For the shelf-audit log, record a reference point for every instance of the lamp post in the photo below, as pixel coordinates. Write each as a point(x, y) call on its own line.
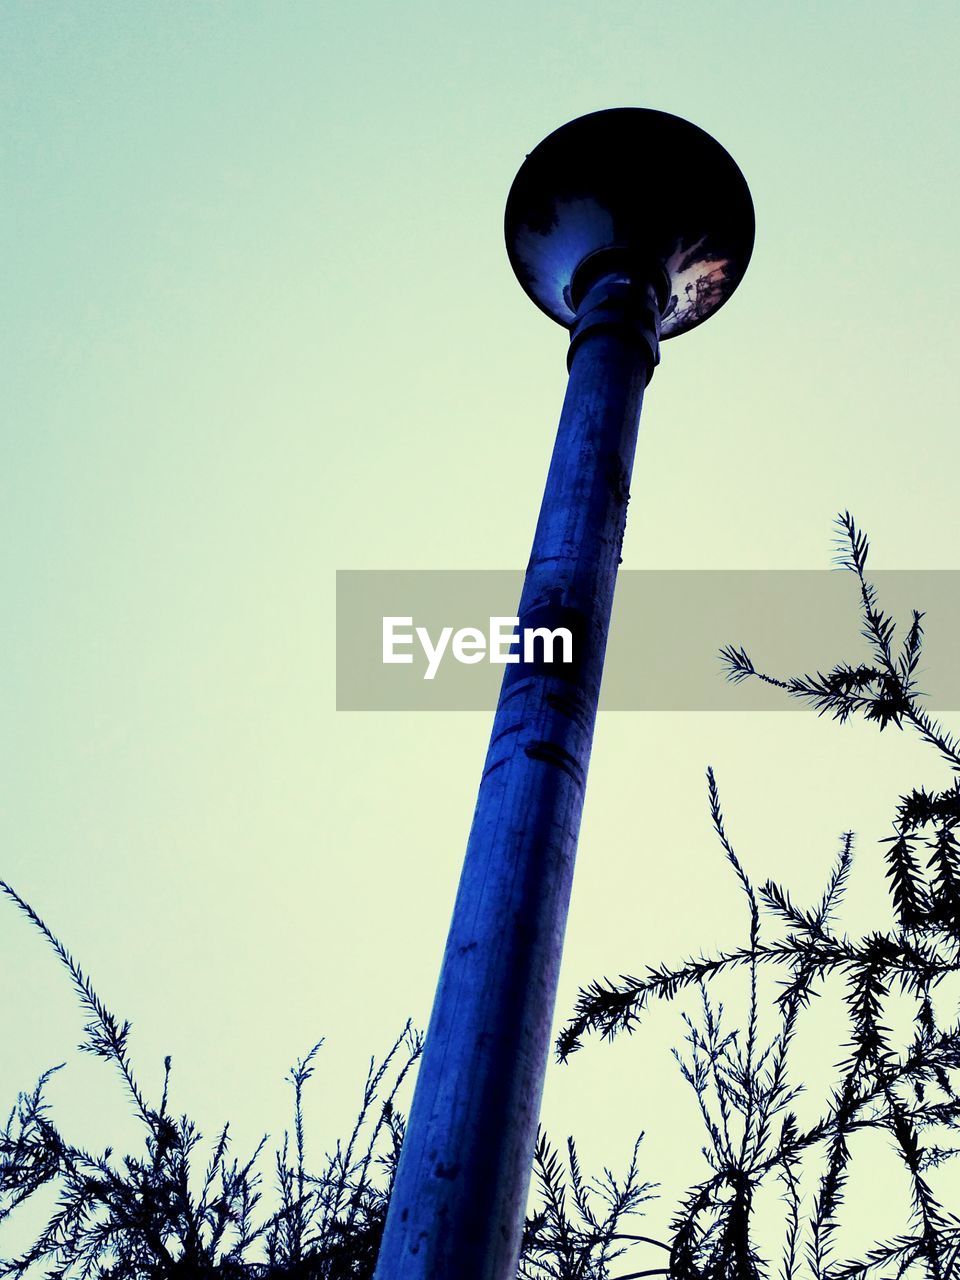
point(626, 226)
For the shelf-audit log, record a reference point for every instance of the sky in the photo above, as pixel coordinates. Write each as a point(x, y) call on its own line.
point(260, 326)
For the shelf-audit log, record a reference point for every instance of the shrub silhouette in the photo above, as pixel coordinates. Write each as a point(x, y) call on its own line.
point(166, 1212)
point(901, 1087)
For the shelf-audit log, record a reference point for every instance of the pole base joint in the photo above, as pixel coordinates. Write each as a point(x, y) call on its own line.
point(611, 292)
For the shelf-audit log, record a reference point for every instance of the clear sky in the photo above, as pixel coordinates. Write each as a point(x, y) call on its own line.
point(259, 325)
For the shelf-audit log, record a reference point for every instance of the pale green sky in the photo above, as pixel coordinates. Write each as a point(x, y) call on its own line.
point(260, 326)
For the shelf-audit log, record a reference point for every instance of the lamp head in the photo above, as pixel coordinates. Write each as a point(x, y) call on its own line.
point(640, 186)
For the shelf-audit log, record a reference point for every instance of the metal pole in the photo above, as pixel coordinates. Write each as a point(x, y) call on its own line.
point(457, 1208)
point(624, 225)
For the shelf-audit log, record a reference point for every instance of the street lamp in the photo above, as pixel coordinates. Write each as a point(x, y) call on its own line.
point(625, 226)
